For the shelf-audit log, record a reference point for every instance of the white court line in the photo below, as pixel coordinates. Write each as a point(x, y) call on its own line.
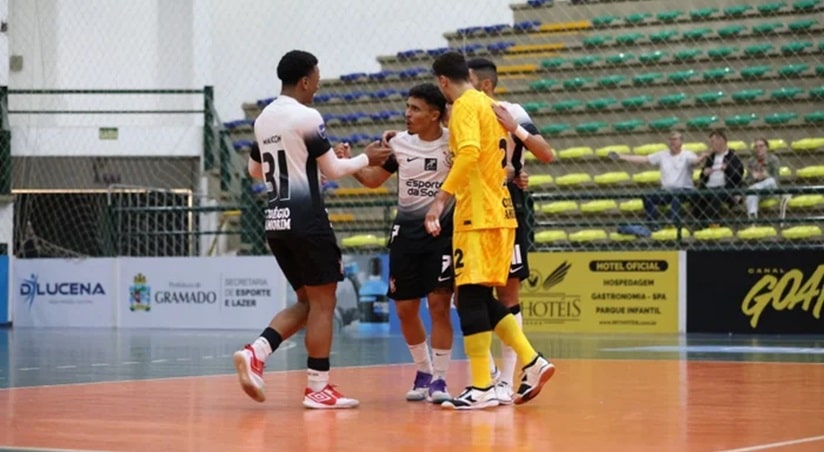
point(45, 449)
point(792, 442)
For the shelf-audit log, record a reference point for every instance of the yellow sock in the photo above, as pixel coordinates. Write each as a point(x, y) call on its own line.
point(512, 335)
point(477, 350)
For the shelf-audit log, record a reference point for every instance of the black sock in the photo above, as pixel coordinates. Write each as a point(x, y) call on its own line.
point(514, 310)
point(319, 364)
point(273, 337)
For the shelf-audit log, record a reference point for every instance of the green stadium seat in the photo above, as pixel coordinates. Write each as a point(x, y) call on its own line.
point(708, 98)
point(819, 70)
point(716, 74)
point(652, 57)
point(786, 93)
point(801, 232)
point(601, 103)
point(632, 205)
point(747, 95)
point(363, 241)
point(560, 208)
point(780, 118)
point(599, 206)
point(696, 146)
point(702, 122)
point(755, 72)
point(792, 70)
point(723, 52)
point(588, 235)
point(554, 129)
point(573, 179)
point(806, 201)
point(627, 126)
point(596, 41)
point(767, 28)
point(816, 117)
point(618, 237)
point(680, 77)
point(740, 120)
point(647, 177)
point(731, 31)
point(612, 80)
point(817, 93)
point(811, 172)
point(702, 13)
point(668, 16)
point(805, 5)
point(664, 123)
point(737, 10)
point(566, 105)
point(534, 107)
point(629, 39)
point(769, 9)
point(808, 144)
point(795, 47)
point(602, 21)
point(612, 178)
point(576, 83)
point(636, 18)
point(619, 59)
point(617, 148)
point(687, 54)
point(671, 100)
point(646, 78)
point(586, 60)
point(576, 152)
point(662, 36)
point(540, 180)
point(757, 233)
point(757, 50)
point(590, 127)
point(696, 34)
point(636, 101)
point(650, 148)
point(550, 236)
point(714, 234)
point(553, 63)
point(802, 25)
point(545, 84)
point(669, 234)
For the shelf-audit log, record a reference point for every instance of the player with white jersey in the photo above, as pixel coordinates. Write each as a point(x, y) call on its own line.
point(523, 134)
point(292, 153)
point(420, 264)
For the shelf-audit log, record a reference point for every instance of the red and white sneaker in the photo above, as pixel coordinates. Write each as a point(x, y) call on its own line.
point(327, 398)
point(250, 372)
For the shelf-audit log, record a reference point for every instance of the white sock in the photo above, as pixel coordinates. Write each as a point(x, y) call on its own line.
point(509, 359)
point(262, 348)
point(493, 368)
point(420, 355)
point(440, 362)
point(317, 379)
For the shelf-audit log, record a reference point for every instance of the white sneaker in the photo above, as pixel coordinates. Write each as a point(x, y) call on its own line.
point(420, 388)
point(503, 392)
point(327, 398)
point(535, 376)
point(437, 393)
point(473, 399)
point(250, 372)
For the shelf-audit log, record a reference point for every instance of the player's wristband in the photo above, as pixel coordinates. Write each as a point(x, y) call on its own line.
point(521, 133)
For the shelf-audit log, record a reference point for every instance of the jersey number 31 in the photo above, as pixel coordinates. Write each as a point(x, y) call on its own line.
point(277, 191)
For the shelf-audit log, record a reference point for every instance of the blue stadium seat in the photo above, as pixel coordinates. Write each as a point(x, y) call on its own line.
point(241, 144)
point(322, 98)
point(385, 93)
point(382, 75)
point(538, 3)
point(412, 72)
point(527, 25)
point(469, 31)
point(499, 47)
point(354, 95)
point(470, 48)
point(437, 51)
point(353, 76)
point(495, 29)
point(411, 53)
point(264, 102)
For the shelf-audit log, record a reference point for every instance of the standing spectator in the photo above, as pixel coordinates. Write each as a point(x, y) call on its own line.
point(762, 174)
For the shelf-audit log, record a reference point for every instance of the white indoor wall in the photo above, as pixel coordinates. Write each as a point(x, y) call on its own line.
point(233, 45)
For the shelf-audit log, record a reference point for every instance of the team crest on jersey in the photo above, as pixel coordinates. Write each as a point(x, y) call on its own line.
point(322, 131)
point(430, 164)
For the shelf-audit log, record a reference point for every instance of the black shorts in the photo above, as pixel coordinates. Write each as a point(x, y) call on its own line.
point(308, 261)
point(519, 267)
point(415, 275)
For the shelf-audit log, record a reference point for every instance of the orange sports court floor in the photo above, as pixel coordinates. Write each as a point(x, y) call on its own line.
point(160, 390)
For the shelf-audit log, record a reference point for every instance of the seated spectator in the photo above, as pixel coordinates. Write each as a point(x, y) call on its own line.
point(722, 170)
point(762, 173)
point(676, 175)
